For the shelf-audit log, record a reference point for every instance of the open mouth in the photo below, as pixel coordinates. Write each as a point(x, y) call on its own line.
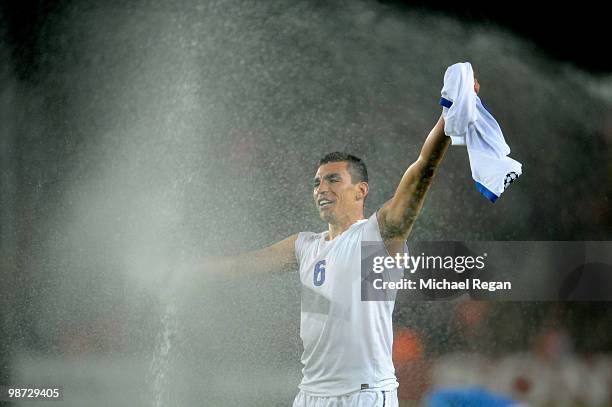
point(324, 203)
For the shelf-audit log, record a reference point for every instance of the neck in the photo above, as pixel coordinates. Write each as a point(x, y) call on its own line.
point(336, 228)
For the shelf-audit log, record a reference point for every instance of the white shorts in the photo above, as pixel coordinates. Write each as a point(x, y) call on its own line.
point(363, 398)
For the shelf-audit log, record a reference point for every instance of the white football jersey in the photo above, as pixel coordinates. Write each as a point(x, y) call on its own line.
point(347, 342)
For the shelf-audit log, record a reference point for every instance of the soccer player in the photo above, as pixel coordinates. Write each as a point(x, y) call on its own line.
point(347, 342)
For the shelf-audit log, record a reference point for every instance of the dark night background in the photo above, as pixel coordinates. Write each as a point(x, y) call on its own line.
point(574, 32)
point(134, 133)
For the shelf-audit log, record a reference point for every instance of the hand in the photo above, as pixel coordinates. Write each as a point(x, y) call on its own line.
point(476, 86)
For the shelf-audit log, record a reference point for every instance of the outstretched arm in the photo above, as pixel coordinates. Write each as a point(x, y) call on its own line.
point(396, 217)
point(275, 258)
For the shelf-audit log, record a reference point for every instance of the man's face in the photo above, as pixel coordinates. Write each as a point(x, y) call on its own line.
point(335, 196)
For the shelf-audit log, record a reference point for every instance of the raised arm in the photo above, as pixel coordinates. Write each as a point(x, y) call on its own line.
point(396, 217)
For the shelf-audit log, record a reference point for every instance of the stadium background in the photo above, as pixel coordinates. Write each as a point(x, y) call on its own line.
point(137, 134)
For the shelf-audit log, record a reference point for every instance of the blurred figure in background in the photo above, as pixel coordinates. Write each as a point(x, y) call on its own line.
point(469, 397)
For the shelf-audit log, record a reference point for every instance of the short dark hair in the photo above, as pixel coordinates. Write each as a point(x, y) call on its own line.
point(356, 167)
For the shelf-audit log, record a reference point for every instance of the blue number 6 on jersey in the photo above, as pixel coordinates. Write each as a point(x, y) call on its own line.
point(318, 278)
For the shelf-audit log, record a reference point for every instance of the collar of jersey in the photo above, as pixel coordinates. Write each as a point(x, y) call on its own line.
point(326, 233)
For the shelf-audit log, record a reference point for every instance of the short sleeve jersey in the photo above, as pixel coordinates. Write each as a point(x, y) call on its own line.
point(347, 342)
